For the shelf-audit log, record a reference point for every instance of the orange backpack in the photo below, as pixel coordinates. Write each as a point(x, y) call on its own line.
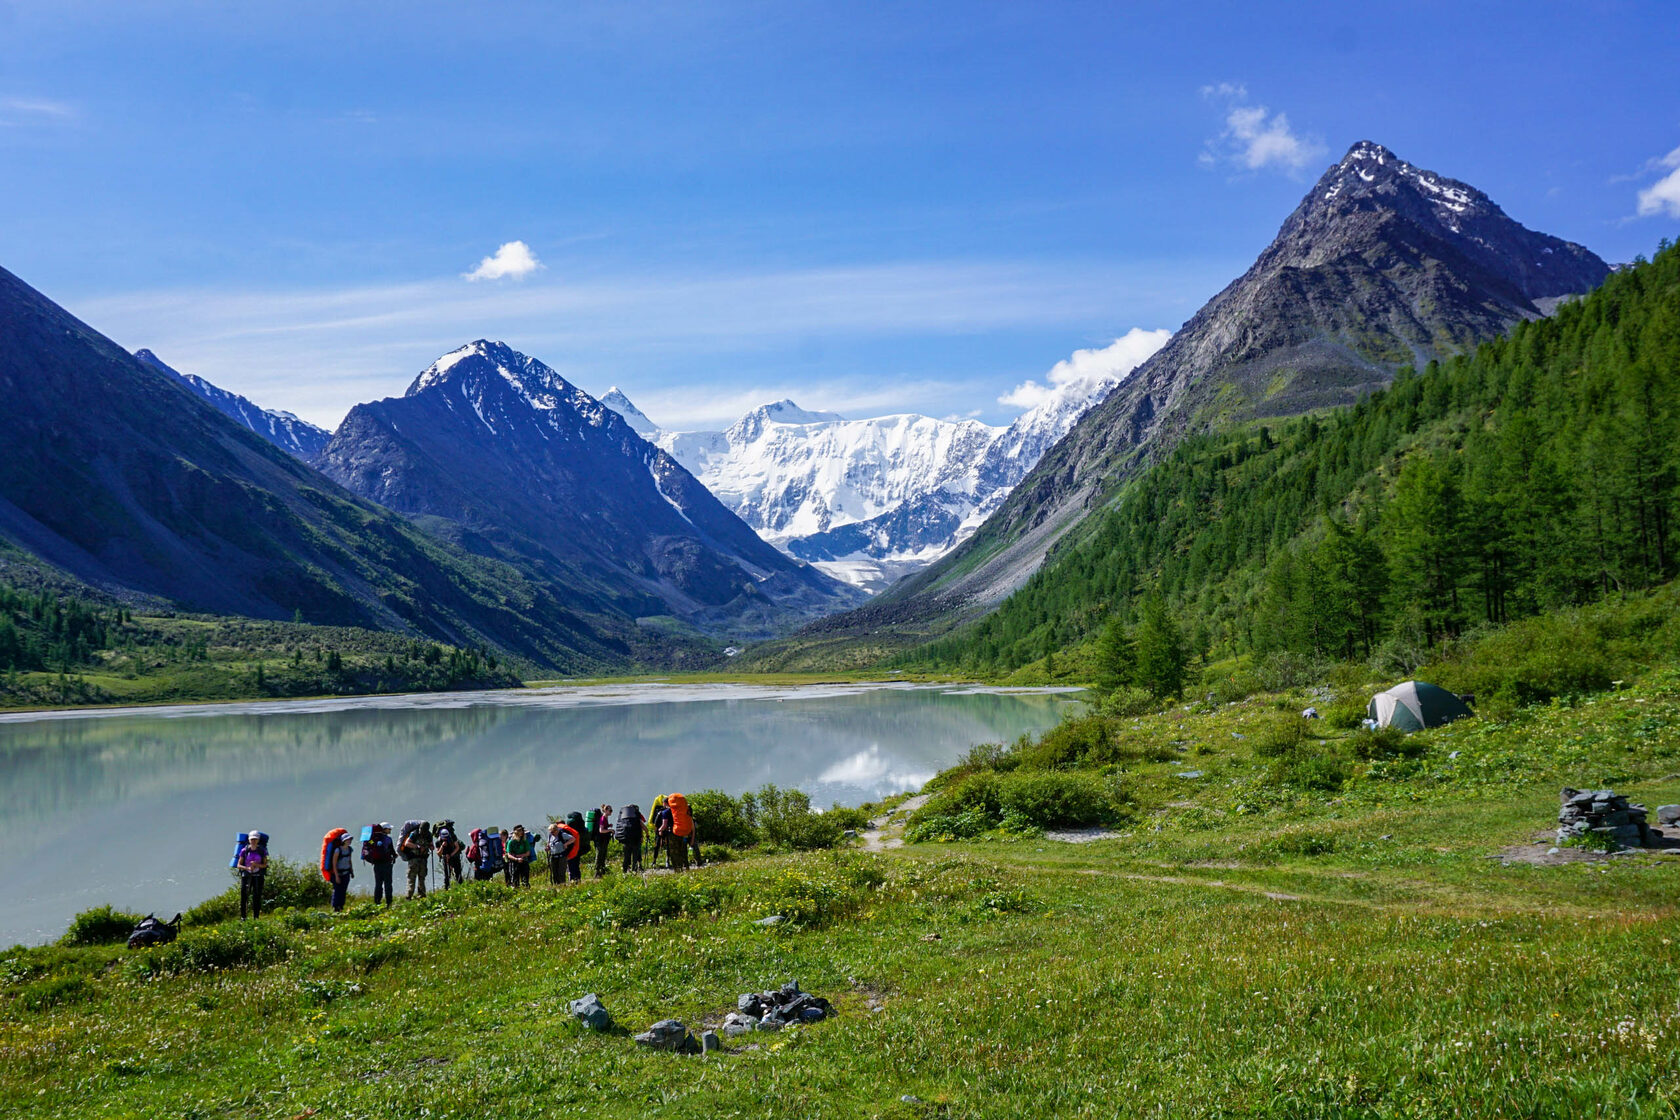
point(328, 842)
point(682, 821)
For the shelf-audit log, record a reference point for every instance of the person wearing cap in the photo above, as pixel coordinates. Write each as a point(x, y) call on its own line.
point(341, 865)
point(520, 849)
point(448, 848)
point(253, 869)
point(379, 853)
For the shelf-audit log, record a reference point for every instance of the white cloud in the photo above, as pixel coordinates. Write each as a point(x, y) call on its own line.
point(17, 112)
point(1081, 373)
point(1663, 196)
point(1254, 137)
point(513, 259)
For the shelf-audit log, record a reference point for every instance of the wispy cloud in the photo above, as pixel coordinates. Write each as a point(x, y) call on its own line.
point(1081, 373)
point(514, 259)
point(1663, 196)
point(1255, 138)
point(23, 112)
point(318, 352)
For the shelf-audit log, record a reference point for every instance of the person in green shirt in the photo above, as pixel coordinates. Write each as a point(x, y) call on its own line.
point(520, 849)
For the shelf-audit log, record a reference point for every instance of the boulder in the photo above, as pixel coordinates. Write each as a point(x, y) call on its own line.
point(590, 1012)
point(670, 1035)
point(709, 1041)
point(1668, 814)
point(735, 1024)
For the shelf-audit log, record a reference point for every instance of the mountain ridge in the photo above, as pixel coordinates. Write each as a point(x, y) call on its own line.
point(1381, 265)
point(287, 431)
point(497, 452)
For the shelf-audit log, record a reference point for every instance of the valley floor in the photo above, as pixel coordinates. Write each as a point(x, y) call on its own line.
point(1401, 948)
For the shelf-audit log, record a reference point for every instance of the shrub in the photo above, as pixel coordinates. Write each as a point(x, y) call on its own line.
point(1127, 701)
point(1284, 670)
point(287, 884)
point(1315, 770)
point(785, 819)
point(633, 901)
point(1057, 800)
point(231, 945)
point(965, 825)
point(43, 995)
point(847, 817)
point(102, 925)
point(1280, 736)
point(1384, 743)
point(722, 819)
point(975, 793)
point(1533, 660)
point(1344, 715)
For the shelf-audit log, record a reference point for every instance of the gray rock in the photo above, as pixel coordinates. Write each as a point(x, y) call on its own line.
point(669, 1035)
point(768, 1025)
point(772, 920)
point(1189, 773)
point(849, 834)
point(736, 1023)
point(709, 1041)
point(750, 1005)
point(590, 1012)
point(1668, 814)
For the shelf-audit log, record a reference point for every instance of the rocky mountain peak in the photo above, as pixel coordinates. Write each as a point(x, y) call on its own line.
point(615, 399)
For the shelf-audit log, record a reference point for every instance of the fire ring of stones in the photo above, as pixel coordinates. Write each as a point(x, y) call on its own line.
point(1607, 815)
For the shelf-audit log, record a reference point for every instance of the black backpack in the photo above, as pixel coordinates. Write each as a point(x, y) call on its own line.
point(629, 825)
point(151, 932)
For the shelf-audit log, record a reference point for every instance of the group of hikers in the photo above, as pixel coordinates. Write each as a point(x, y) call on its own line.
point(488, 851)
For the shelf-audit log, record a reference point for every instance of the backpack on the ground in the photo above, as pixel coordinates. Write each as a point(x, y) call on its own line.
point(151, 932)
point(257, 840)
point(329, 851)
point(629, 824)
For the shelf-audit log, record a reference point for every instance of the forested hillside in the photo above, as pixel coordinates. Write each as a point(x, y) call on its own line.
point(1537, 472)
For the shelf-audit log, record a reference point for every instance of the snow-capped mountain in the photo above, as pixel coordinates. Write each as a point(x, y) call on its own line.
point(871, 500)
point(499, 452)
point(287, 432)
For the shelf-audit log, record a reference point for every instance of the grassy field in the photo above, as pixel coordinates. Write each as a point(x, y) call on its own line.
point(1241, 945)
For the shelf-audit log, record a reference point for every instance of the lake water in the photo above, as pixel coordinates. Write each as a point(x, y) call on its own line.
point(139, 807)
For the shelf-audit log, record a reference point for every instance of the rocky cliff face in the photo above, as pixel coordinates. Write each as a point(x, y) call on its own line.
point(501, 454)
point(1382, 265)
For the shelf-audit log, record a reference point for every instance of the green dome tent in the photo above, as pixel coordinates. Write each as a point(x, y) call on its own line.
point(1415, 705)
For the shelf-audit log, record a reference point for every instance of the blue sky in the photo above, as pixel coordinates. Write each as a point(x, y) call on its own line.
point(869, 208)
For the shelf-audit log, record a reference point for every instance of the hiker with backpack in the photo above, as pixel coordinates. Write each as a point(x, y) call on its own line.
point(520, 851)
point(337, 860)
point(485, 853)
point(380, 854)
point(575, 822)
point(601, 831)
point(562, 845)
point(416, 851)
point(630, 830)
point(251, 861)
point(448, 848)
point(682, 827)
point(661, 821)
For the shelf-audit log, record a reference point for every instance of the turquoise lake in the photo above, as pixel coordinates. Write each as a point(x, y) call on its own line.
point(139, 807)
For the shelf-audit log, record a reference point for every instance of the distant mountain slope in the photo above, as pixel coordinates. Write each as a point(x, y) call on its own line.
point(289, 433)
point(500, 453)
point(1382, 265)
point(867, 500)
point(126, 479)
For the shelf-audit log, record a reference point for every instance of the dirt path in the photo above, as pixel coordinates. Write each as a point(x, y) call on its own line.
point(888, 831)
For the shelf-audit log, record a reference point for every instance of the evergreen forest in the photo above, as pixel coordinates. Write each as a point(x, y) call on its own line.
point(1535, 474)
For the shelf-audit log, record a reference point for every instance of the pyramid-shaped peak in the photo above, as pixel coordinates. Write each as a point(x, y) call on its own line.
point(615, 399)
point(484, 356)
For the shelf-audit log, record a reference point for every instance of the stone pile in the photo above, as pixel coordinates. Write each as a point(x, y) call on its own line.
point(771, 1011)
point(1599, 812)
